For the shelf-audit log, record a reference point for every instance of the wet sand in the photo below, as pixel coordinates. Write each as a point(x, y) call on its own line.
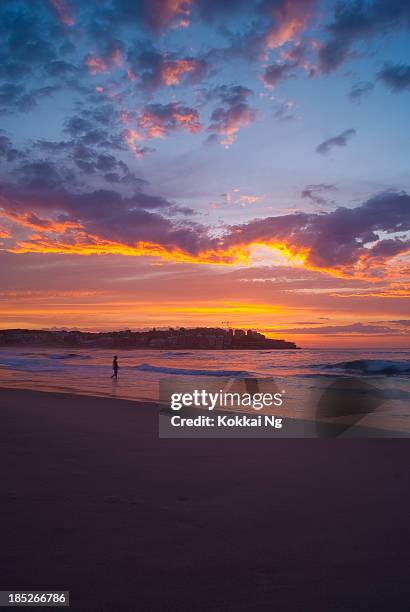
point(93, 502)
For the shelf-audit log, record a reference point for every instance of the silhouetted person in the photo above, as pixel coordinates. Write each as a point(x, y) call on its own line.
point(115, 368)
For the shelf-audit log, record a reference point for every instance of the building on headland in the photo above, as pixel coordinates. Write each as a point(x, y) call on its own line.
point(239, 333)
point(206, 338)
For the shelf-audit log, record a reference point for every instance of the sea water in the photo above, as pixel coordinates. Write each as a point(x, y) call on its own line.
point(300, 374)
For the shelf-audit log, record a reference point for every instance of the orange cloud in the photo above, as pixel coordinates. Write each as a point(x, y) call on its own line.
point(97, 65)
point(171, 72)
point(290, 19)
point(227, 123)
point(309, 240)
point(32, 221)
point(132, 137)
point(169, 13)
point(233, 114)
point(157, 120)
point(82, 243)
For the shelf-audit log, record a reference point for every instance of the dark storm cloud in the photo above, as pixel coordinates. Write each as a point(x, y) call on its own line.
point(361, 89)
point(359, 21)
point(336, 141)
point(396, 77)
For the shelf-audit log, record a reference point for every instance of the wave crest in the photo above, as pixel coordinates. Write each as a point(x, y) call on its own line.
point(371, 366)
point(147, 367)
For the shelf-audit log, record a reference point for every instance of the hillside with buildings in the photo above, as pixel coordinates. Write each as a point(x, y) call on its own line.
point(173, 338)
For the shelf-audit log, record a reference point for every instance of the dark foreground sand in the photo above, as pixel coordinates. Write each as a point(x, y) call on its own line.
point(92, 501)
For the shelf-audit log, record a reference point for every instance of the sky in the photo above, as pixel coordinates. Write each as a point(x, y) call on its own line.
point(198, 162)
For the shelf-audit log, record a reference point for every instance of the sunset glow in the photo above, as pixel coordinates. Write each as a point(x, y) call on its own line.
point(176, 162)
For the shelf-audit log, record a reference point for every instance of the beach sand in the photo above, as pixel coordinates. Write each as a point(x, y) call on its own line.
point(93, 502)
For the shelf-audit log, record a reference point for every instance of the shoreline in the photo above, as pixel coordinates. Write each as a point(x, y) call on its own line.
point(298, 428)
point(78, 393)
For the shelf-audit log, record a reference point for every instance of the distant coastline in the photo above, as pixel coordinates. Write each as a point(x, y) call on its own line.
point(207, 338)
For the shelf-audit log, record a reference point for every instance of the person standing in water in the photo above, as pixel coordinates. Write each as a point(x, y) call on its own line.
point(115, 368)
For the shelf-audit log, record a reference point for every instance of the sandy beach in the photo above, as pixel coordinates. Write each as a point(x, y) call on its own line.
point(93, 502)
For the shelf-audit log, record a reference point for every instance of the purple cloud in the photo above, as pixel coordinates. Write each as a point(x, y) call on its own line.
point(360, 21)
point(336, 141)
point(396, 77)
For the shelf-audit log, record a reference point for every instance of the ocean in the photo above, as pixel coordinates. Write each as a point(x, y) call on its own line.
point(302, 375)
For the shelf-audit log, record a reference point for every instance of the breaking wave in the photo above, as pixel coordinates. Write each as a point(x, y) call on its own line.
point(371, 367)
point(147, 367)
point(28, 365)
point(39, 362)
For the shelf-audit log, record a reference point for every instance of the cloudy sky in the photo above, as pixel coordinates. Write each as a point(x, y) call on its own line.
point(169, 162)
